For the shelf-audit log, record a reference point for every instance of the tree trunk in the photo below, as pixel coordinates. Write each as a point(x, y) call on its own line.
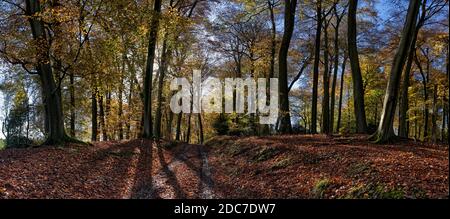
point(358, 91)
point(178, 133)
point(335, 71)
point(434, 129)
point(385, 130)
point(94, 111)
point(52, 101)
point(162, 74)
point(273, 39)
point(102, 118)
point(147, 132)
point(289, 19)
point(425, 95)
point(120, 94)
point(200, 125)
point(326, 85)
point(341, 92)
point(403, 118)
point(107, 113)
point(72, 104)
point(316, 68)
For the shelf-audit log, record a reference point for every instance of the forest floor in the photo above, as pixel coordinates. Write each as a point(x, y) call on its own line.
point(288, 166)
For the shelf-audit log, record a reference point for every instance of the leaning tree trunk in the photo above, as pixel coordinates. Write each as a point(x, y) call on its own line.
point(316, 68)
point(385, 131)
point(147, 93)
point(358, 91)
point(289, 19)
point(52, 101)
point(404, 102)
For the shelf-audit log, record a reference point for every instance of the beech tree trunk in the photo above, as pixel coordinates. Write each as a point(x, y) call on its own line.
point(72, 104)
point(289, 19)
point(326, 85)
point(316, 68)
point(178, 133)
point(162, 74)
point(94, 125)
point(54, 118)
point(335, 70)
point(102, 118)
point(385, 131)
point(341, 92)
point(154, 23)
point(358, 91)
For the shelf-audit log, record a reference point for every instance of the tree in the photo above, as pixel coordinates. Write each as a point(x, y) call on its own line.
point(385, 131)
point(52, 101)
point(358, 92)
point(154, 23)
point(289, 19)
point(316, 67)
point(336, 62)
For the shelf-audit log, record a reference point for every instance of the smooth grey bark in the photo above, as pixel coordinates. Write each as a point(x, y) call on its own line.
point(289, 19)
point(385, 131)
point(358, 91)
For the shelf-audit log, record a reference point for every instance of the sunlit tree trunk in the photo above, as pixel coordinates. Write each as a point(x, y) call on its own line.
point(385, 130)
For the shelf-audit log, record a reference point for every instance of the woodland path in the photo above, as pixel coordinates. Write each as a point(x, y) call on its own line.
point(187, 167)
